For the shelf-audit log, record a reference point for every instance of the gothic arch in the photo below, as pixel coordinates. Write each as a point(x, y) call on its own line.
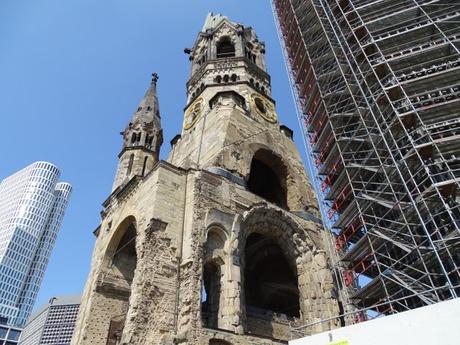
point(211, 293)
point(216, 239)
point(120, 255)
point(225, 47)
point(268, 177)
point(291, 176)
point(270, 280)
point(266, 219)
point(213, 270)
point(120, 262)
point(119, 233)
point(270, 237)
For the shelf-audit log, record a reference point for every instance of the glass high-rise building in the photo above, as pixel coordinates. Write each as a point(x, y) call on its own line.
point(32, 206)
point(378, 92)
point(52, 324)
point(9, 335)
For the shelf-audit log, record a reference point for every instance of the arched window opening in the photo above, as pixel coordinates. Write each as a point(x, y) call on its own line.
point(218, 79)
point(233, 77)
point(130, 164)
point(148, 140)
point(210, 299)
point(226, 78)
point(135, 138)
point(267, 178)
point(251, 81)
point(121, 260)
point(270, 283)
point(144, 166)
point(124, 259)
point(225, 48)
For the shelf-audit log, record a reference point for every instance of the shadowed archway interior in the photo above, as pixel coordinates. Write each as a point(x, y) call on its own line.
point(124, 259)
point(270, 283)
point(211, 288)
point(210, 295)
point(121, 271)
point(267, 178)
point(225, 48)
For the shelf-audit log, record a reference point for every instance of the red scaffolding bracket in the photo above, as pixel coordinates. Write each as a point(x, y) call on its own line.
point(361, 267)
point(347, 233)
point(339, 202)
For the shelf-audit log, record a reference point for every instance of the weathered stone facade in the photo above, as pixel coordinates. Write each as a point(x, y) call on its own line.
point(222, 243)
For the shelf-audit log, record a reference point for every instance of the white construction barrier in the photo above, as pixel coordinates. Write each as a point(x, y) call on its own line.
point(437, 324)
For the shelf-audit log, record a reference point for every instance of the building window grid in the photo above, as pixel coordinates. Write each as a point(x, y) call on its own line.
point(31, 210)
point(60, 324)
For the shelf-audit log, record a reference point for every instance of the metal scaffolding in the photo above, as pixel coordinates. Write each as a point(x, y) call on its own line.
point(378, 90)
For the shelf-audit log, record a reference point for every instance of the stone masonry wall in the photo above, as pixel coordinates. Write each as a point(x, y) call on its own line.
point(141, 205)
point(228, 136)
point(165, 301)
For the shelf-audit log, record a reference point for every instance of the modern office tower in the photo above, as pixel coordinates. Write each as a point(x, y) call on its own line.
point(378, 90)
point(32, 206)
point(52, 324)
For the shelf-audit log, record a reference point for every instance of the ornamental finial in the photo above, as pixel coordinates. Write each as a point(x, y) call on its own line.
point(154, 78)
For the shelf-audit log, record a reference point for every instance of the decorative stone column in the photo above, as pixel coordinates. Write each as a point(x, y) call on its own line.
point(231, 310)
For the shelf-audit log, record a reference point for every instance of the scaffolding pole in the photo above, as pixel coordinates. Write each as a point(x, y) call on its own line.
point(377, 88)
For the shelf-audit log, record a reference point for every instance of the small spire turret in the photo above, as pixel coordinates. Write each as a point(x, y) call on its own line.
point(142, 138)
point(149, 107)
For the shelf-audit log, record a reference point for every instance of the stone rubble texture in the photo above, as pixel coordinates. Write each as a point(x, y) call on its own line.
point(195, 208)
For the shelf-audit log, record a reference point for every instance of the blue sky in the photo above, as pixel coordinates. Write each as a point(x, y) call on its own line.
point(71, 74)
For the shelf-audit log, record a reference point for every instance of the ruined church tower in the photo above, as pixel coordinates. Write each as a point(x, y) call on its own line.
point(222, 243)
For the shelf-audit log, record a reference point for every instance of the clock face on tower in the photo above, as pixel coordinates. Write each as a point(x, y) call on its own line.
point(263, 107)
point(193, 113)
